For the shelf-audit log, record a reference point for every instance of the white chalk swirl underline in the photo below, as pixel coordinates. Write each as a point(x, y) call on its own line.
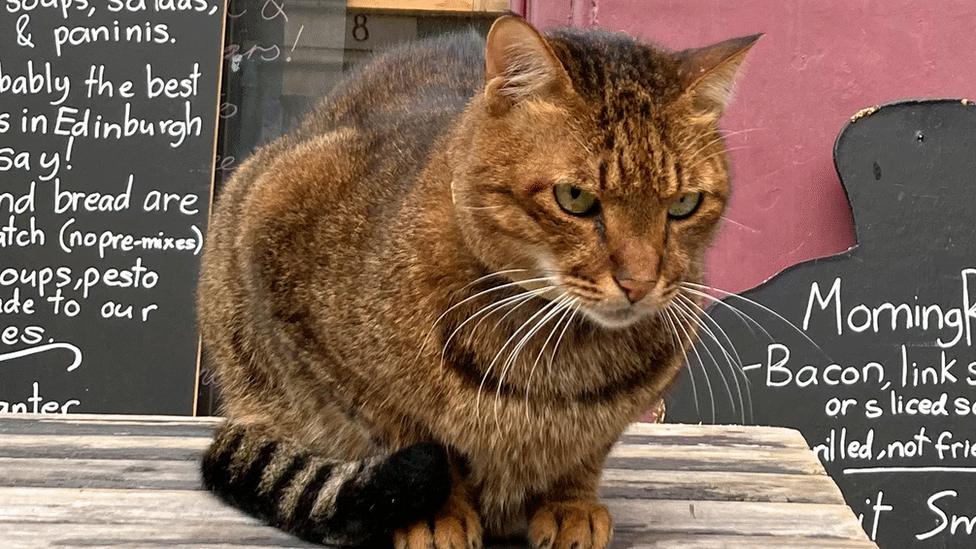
point(43, 349)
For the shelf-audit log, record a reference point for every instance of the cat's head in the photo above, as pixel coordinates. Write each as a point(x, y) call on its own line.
point(594, 162)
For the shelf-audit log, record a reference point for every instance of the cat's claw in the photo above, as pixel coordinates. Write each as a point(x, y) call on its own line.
point(575, 524)
point(457, 526)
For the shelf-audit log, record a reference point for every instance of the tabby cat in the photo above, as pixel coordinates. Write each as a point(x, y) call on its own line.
point(435, 306)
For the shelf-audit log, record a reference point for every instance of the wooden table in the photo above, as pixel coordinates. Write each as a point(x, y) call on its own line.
point(132, 481)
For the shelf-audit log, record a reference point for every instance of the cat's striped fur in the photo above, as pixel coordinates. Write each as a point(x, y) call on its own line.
point(320, 499)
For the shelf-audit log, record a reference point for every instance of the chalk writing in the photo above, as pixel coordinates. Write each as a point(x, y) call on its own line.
point(107, 122)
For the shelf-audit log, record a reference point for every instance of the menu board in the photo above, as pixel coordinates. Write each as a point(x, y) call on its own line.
point(870, 353)
point(107, 137)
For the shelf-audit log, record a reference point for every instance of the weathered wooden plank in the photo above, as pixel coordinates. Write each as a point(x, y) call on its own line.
point(132, 474)
point(638, 433)
point(202, 535)
point(719, 486)
point(699, 457)
point(714, 435)
point(704, 457)
point(639, 517)
point(93, 506)
point(102, 447)
point(62, 425)
point(708, 541)
point(168, 507)
point(621, 483)
point(636, 520)
point(73, 481)
point(643, 457)
point(199, 535)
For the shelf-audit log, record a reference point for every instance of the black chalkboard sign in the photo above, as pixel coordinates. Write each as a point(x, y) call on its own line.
point(107, 136)
point(879, 372)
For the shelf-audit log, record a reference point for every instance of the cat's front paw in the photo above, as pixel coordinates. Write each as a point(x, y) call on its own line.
point(574, 524)
point(457, 526)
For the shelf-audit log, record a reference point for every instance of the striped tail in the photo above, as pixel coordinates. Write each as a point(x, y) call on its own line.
point(356, 503)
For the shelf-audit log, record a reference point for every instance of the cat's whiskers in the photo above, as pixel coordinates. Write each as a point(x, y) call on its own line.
point(737, 365)
point(729, 132)
point(490, 309)
point(738, 224)
point(423, 343)
point(757, 304)
point(560, 303)
point(679, 302)
point(569, 310)
point(679, 344)
point(746, 320)
point(691, 343)
point(498, 355)
point(484, 207)
point(701, 161)
point(492, 275)
point(555, 349)
point(722, 134)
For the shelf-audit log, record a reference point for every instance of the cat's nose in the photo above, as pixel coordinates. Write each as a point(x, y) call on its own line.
point(635, 290)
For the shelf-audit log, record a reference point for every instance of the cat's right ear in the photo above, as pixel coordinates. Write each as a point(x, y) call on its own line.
point(519, 65)
point(708, 74)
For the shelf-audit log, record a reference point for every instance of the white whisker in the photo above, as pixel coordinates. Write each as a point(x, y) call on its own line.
point(761, 306)
point(701, 161)
point(743, 225)
point(433, 326)
point(528, 384)
point(742, 316)
point(556, 306)
point(680, 346)
point(498, 355)
point(735, 351)
point(683, 302)
point(555, 349)
point(490, 309)
point(708, 382)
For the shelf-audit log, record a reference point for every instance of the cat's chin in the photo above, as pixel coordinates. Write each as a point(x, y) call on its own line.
point(616, 319)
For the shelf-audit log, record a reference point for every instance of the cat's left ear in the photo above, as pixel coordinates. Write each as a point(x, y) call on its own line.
point(708, 74)
point(520, 65)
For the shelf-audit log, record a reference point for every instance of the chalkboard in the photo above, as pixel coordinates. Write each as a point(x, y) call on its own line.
point(107, 134)
point(879, 372)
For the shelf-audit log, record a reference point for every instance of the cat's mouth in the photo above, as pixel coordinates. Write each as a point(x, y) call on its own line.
point(621, 315)
point(610, 316)
point(593, 300)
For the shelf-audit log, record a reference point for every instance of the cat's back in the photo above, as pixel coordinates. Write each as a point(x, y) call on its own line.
point(313, 202)
point(419, 86)
point(367, 139)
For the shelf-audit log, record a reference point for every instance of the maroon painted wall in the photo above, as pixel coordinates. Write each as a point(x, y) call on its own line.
point(820, 61)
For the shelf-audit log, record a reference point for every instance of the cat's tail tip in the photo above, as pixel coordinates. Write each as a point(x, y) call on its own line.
point(409, 485)
point(355, 503)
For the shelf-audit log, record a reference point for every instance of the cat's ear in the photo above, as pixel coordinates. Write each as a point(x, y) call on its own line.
point(519, 64)
point(708, 74)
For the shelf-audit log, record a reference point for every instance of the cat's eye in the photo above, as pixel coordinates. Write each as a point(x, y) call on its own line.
point(574, 200)
point(684, 206)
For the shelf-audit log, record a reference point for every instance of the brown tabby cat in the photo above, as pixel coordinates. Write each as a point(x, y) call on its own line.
point(436, 305)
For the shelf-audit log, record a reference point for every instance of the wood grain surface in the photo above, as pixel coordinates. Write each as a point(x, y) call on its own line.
point(132, 481)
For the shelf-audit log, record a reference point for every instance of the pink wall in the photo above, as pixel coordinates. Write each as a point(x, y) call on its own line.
point(820, 61)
